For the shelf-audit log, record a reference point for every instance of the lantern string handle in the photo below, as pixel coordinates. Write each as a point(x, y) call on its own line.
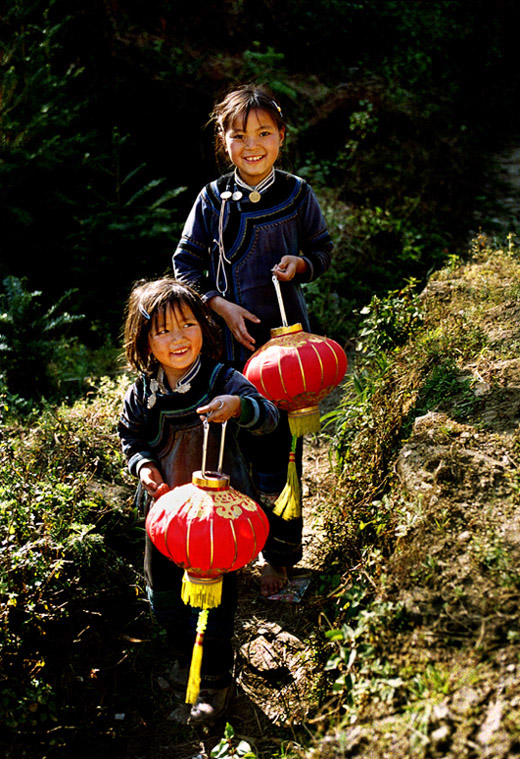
point(205, 424)
point(278, 289)
point(221, 452)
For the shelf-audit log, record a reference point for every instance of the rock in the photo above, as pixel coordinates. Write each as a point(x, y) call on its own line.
point(441, 735)
point(180, 714)
point(491, 723)
point(259, 654)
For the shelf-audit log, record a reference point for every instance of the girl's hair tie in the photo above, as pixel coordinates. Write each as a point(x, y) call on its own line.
point(144, 312)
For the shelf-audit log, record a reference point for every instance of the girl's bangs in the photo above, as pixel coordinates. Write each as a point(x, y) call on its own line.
point(158, 320)
point(179, 303)
point(241, 115)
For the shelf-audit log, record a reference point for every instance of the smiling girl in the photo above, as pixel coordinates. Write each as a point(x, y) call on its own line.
point(250, 223)
point(172, 342)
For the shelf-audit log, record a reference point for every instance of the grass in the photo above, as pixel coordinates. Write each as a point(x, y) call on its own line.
point(428, 487)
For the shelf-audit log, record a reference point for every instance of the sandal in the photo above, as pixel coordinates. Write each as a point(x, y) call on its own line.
point(211, 705)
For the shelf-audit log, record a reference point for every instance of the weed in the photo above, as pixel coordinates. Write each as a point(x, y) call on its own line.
point(388, 322)
point(408, 517)
point(360, 673)
point(64, 543)
point(494, 558)
point(445, 387)
point(230, 746)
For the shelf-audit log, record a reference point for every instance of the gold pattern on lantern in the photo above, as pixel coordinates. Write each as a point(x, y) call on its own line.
point(201, 510)
point(228, 510)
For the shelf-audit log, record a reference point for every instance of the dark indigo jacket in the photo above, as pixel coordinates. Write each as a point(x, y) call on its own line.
point(286, 221)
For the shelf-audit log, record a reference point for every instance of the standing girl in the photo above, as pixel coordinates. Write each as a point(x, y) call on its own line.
point(243, 227)
point(172, 341)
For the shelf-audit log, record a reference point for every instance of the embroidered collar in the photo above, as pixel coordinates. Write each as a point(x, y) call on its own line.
point(184, 384)
point(157, 384)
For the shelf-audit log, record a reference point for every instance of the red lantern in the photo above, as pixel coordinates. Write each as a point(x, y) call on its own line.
point(296, 370)
point(208, 528)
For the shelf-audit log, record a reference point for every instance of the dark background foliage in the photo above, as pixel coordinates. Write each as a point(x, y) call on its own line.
point(103, 107)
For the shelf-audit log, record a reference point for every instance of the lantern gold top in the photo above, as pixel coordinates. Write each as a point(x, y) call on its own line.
point(279, 331)
point(210, 480)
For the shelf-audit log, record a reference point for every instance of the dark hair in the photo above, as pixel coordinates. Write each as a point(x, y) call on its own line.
point(148, 301)
point(237, 104)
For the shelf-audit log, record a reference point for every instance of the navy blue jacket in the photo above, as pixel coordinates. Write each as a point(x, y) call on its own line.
point(286, 221)
point(170, 433)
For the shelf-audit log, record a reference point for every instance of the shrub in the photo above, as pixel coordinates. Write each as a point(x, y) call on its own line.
point(69, 549)
point(28, 343)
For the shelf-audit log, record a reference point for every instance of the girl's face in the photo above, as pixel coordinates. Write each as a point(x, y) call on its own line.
point(175, 339)
point(253, 147)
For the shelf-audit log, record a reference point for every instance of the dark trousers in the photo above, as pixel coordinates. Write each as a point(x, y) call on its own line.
point(268, 457)
point(164, 582)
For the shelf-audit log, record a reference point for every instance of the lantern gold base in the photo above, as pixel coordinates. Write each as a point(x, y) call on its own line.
point(304, 420)
point(279, 331)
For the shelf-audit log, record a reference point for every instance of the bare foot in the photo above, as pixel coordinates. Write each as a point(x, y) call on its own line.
point(272, 579)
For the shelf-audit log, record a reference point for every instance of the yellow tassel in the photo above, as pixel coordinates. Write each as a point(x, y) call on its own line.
point(193, 688)
point(201, 592)
point(304, 420)
point(288, 503)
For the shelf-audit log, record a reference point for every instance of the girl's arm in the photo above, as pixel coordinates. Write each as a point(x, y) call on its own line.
point(191, 262)
point(221, 408)
point(191, 259)
point(131, 431)
point(315, 241)
point(289, 267)
point(152, 480)
point(259, 415)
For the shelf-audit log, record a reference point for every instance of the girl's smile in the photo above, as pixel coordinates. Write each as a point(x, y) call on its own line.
point(175, 339)
point(253, 147)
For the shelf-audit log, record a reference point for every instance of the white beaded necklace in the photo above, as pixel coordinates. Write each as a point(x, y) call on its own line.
point(254, 195)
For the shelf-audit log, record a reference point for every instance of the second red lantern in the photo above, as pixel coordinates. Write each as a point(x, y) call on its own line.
point(296, 370)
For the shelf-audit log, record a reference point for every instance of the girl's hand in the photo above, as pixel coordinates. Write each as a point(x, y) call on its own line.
point(221, 408)
point(288, 267)
point(152, 481)
point(235, 316)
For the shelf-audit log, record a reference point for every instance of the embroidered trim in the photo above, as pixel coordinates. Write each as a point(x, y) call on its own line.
point(183, 385)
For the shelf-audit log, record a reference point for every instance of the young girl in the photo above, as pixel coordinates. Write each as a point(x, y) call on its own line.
point(243, 227)
point(172, 342)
